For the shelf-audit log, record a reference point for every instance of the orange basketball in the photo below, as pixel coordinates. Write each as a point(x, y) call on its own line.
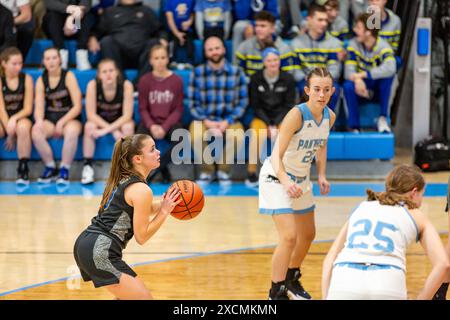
point(192, 200)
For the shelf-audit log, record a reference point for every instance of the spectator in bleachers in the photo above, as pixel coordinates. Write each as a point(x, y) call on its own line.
point(180, 19)
point(213, 18)
point(217, 100)
point(7, 36)
point(16, 107)
point(244, 18)
point(66, 19)
point(57, 114)
point(291, 18)
point(109, 110)
point(369, 72)
point(337, 26)
point(317, 48)
point(160, 105)
point(272, 94)
point(127, 32)
point(38, 12)
point(391, 25)
point(23, 22)
point(248, 53)
point(355, 7)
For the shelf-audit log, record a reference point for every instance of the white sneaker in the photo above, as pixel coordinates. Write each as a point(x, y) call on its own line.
point(82, 60)
point(224, 177)
point(204, 178)
point(64, 53)
point(87, 176)
point(383, 125)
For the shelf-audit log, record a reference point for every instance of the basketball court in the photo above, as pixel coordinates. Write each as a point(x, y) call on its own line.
point(224, 253)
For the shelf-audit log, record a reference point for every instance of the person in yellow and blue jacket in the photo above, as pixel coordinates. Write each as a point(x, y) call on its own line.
point(249, 52)
point(369, 72)
point(316, 48)
point(391, 25)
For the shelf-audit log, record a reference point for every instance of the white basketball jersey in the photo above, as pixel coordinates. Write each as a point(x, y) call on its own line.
point(304, 144)
point(379, 234)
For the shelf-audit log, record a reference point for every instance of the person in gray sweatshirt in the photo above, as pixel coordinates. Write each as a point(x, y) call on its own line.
point(316, 48)
point(369, 72)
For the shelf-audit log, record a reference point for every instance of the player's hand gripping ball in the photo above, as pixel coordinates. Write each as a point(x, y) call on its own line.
point(192, 200)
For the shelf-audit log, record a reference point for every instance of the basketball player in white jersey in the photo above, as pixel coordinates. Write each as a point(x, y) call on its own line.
point(367, 260)
point(285, 190)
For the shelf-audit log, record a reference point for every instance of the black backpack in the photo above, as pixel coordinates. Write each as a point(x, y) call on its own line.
point(432, 154)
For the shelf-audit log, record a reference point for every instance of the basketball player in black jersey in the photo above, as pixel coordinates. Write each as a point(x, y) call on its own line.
point(109, 110)
point(16, 107)
point(57, 114)
point(127, 209)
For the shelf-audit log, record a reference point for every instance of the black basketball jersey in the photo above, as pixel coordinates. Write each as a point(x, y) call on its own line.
point(13, 98)
point(57, 100)
point(116, 220)
point(110, 111)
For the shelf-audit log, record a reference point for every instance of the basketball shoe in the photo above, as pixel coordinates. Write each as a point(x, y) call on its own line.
point(48, 175)
point(63, 176)
point(22, 173)
point(278, 293)
point(295, 290)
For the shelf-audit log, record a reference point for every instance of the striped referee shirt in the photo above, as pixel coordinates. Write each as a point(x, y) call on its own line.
point(217, 94)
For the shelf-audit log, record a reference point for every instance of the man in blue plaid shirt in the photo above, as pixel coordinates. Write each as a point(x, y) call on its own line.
point(217, 100)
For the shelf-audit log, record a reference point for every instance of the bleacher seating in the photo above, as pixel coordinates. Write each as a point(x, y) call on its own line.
point(341, 146)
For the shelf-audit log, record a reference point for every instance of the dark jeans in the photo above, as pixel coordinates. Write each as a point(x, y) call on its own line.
point(136, 58)
point(166, 156)
point(381, 93)
point(53, 24)
point(214, 32)
point(25, 35)
point(188, 45)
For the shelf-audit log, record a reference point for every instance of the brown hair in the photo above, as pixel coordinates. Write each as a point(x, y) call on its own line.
point(332, 3)
point(318, 72)
point(5, 55)
point(364, 19)
point(314, 7)
point(109, 60)
point(401, 180)
point(122, 163)
point(158, 47)
point(264, 16)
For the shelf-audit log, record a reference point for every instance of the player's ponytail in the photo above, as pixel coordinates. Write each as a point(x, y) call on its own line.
point(318, 72)
point(122, 163)
point(401, 180)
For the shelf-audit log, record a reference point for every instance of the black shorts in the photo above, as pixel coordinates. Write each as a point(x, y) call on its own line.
point(99, 259)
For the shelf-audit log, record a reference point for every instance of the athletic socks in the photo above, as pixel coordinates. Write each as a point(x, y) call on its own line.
point(292, 274)
point(88, 161)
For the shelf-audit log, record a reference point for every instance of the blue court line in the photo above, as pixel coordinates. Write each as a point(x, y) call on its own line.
point(200, 254)
point(338, 189)
point(139, 264)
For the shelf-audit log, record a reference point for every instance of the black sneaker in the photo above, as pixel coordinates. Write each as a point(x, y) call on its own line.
point(295, 290)
point(281, 294)
point(50, 174)
point(22, 174)
point(63, 177)
point(252, 180)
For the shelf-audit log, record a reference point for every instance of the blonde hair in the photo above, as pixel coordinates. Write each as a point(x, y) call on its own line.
point(6, 54)
point(122, 163)
point(401, 180)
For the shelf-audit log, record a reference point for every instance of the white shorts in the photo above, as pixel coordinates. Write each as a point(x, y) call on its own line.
point(360, 282)
point(273, 197)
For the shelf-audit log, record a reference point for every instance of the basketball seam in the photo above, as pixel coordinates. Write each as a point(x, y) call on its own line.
point(182, 197)
point(193, 193)
point(203, 196)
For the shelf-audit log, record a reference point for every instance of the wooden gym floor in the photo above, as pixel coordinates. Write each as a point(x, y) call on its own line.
point(225, 253)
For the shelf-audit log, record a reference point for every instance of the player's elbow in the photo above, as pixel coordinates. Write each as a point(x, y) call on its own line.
point(140, 239)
